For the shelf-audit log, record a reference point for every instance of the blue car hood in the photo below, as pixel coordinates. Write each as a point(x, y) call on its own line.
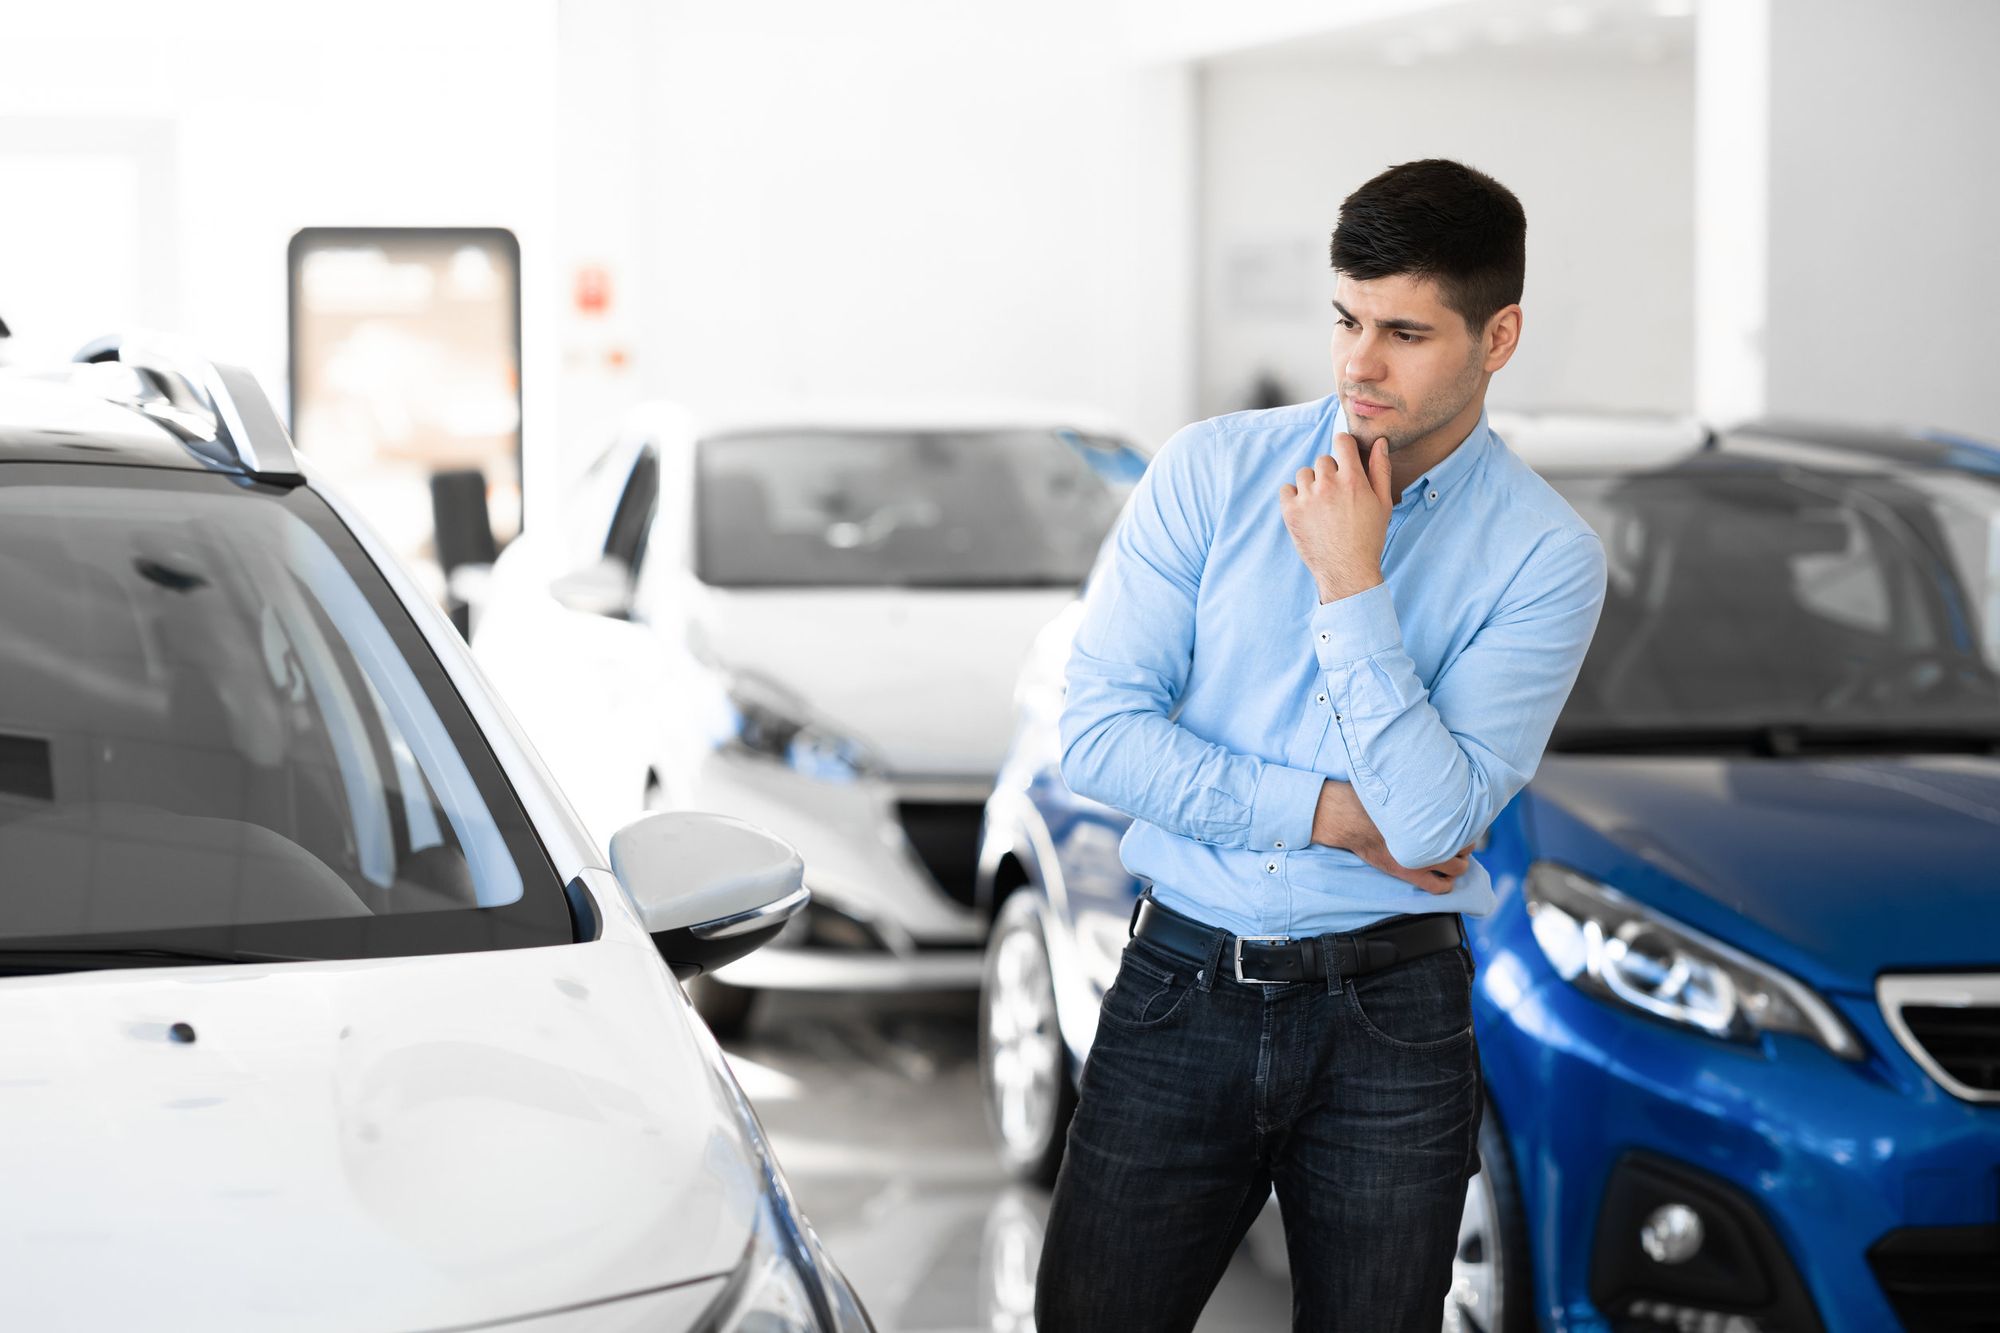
point(1843, 867)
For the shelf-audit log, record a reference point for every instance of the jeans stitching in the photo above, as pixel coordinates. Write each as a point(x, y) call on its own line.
point(1397, 1043)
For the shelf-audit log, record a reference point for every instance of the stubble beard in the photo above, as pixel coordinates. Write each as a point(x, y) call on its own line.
point(1448, 404)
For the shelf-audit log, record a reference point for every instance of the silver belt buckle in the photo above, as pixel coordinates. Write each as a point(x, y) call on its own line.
point(1257, 939)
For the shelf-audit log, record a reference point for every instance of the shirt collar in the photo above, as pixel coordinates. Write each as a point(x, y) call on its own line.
point(1455, 468)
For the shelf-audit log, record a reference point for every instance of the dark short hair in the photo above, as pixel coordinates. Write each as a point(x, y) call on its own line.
point(1441, 220)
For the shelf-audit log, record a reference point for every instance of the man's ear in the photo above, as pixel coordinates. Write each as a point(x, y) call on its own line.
point(1503, 335)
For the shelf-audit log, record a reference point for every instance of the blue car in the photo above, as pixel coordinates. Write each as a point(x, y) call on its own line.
point(1739, 1002)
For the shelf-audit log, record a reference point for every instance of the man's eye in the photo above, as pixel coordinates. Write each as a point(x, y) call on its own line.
point(1347, 324)
point(1405, 336)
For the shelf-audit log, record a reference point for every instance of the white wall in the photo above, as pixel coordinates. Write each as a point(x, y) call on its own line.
point(903, 199)
point(1598, 145)
point(1884, 272)
point(272, 118)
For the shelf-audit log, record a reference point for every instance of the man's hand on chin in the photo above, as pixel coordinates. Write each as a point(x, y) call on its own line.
point(1340, 820)
point(1338, 514)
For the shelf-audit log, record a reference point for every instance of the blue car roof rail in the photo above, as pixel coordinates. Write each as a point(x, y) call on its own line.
point(218, 411)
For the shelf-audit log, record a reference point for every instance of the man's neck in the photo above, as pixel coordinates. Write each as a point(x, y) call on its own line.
point(1421, 456)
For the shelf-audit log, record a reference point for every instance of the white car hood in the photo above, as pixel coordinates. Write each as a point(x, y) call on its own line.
point(387, 1144)
point(922, 677)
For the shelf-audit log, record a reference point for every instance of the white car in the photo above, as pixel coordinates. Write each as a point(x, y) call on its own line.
point(814, 625)
point(320, 1008)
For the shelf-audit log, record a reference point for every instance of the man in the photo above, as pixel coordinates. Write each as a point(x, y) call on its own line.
point(1327, 646)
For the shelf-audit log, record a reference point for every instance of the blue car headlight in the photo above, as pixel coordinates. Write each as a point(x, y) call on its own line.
point(1620, 950)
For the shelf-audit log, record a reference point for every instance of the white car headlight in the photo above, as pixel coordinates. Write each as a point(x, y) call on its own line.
point(762, 719)
point(1615, 947)
point(770, 1292)
point(785, 1283)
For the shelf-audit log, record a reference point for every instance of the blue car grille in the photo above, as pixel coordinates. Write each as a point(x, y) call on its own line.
point(1941, 1279)
point(1964, 1041)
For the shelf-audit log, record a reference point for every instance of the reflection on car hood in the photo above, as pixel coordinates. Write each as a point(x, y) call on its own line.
point(924, 677)
point(1858, 865)
point(403, 1143)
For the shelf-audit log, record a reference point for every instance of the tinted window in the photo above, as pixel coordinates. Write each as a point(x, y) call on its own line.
point(216, 720)
point(633, 518)
point(1025, 508)
point(1765, 596)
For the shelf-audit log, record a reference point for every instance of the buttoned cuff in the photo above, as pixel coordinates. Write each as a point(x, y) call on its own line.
point(1282, 809)
point(1355, 627)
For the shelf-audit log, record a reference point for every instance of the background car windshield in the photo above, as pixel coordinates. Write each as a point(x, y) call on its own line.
point(1775, 597)
point(213, 713)
point(1013, 508)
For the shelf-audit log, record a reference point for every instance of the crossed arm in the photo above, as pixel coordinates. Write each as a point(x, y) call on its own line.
point(1423, 788)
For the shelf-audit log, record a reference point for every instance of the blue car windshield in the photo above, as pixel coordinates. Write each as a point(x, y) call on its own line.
point(1755, 595)
point(879, 508)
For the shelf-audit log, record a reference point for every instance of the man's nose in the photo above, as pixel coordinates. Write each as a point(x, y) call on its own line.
point(1364, 363)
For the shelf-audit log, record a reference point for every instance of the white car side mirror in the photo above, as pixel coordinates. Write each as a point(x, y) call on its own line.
point(602, 588)
point(709, 888)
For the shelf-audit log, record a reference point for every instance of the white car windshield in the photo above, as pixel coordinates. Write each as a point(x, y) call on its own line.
point(220, 730)
point(992, 508)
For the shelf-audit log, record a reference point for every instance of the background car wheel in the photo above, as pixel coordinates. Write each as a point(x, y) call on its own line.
point(1023, 1064)
point(1010, 1251)
point(726, 1009)
point(1492, 1290)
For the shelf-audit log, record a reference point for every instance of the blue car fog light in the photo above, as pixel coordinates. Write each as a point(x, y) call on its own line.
point(1677, 1248)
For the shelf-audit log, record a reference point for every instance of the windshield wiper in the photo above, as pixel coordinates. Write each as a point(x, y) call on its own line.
point(1781, 739)
point(61, 958)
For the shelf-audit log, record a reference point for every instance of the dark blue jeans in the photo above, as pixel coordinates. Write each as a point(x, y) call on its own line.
point(1358, 1100)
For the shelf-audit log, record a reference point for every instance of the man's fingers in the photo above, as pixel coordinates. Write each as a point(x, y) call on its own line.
point(1305, 477)
point(1288, 492)
point(1380, 479)
point(1347, 451)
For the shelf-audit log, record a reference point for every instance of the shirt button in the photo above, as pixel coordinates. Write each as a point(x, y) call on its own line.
point(1336, 717)
point(1322, 636)
point(1321, 699)
point(1271, 866)
point(1434, 495)
point(1279, 845)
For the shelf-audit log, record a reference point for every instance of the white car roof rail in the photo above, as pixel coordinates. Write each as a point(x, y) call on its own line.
point(218, 411)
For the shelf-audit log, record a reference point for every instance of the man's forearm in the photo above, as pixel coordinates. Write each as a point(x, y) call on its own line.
point(1342, 821)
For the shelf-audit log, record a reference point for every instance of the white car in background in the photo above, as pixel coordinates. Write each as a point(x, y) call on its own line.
point(815, 625)
point(320, 1009)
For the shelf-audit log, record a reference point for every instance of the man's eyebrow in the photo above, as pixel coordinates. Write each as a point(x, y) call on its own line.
point(1405, 325)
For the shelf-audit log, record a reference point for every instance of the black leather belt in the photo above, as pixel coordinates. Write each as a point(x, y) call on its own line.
point(1275, 959)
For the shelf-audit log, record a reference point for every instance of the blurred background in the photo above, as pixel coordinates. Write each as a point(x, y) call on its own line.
point(471, 244)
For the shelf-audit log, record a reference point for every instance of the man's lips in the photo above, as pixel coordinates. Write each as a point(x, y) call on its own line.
point(1361, 407)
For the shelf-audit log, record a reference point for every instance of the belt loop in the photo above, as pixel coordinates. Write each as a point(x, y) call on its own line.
point(1329, 948)
point(1218, 943)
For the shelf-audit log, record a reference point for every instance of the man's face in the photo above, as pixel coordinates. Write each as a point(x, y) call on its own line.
point(1405, 362)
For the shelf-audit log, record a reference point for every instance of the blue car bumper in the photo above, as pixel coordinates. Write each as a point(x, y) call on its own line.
point(1826, 1182)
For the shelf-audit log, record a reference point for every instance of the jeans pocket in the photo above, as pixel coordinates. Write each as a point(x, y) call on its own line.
point(1422, 1005)
point(1147, 990)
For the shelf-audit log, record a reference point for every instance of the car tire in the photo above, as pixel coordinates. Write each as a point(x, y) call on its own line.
point(725, 1008)
point(1492, 1284)
point(1024, 1072)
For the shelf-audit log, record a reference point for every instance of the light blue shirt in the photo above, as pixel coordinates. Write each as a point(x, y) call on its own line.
point(1211, 694)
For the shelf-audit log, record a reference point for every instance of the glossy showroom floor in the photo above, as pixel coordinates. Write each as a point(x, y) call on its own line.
point(873, 1103)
